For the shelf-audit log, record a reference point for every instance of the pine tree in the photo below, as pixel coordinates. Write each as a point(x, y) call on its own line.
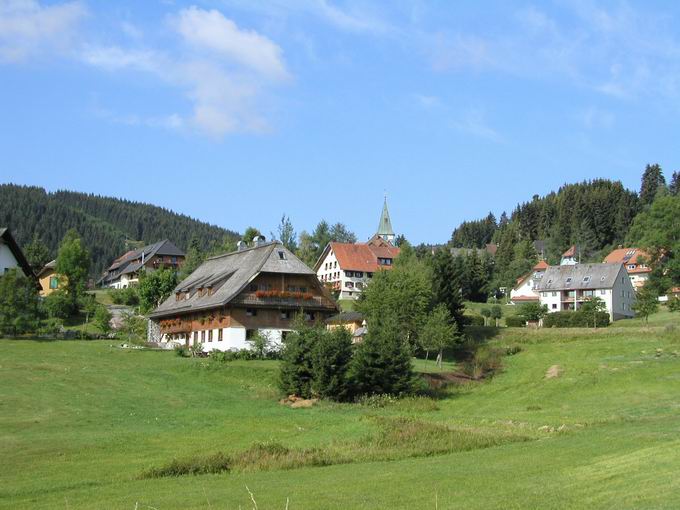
point(652, 180)
point(446, 284)
point(19, 304)
point(674, 187)
point(37, 253)
point(382, 361)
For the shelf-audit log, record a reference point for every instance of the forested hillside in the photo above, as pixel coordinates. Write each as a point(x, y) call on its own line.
point(108, 226)
point(594, 215)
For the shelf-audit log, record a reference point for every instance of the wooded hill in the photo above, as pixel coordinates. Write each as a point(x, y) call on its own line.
point(108, 226)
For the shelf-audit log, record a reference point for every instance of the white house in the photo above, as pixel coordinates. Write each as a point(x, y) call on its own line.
point(11, 255)
point(348, 267)
point(571, 257)
point(526, 289)
point(567, 287)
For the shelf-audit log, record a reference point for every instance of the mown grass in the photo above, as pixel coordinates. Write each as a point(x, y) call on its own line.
point(80, 422)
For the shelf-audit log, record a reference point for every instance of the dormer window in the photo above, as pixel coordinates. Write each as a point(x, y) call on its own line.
point(586, 279)
point(569, 280)
point(282, 255)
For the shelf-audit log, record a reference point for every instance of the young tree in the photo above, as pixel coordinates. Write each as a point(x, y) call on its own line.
point(155, 287)
point(439, 332)
point(486, 313)
point(652, 180)
point(405, 293)
point(102, 319)
point(193, 259)
point(134, 326)
point(341, 234)
point(496, 314)
point(646, 303)
point(73, 262)
point(297, 362)
point(382, 361)
point(250, 234)
point(19, 304)
point(593, 308)
point(533, 312)
point(287, 234)
point(37, 253)
point(674, 304)
point(331, 356)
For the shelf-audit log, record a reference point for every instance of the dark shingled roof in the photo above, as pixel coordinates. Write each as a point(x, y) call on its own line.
point(229, 274)
point(6, 236)
point(596, 276)
point(131, 261)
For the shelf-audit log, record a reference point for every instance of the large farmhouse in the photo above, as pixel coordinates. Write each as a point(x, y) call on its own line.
point(12, 257)
point(635, 261)
point(231, 298)
point(567, 287)
point(526, 290)
point(125, 270)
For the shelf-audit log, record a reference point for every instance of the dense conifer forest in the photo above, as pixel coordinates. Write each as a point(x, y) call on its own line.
point(108, 226)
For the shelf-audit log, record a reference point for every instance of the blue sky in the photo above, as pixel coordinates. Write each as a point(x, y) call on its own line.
point(236, 111)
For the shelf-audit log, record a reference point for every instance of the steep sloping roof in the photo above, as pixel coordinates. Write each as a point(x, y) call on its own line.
point(360, 256)
point(385, 226)
point(228, 275)
point(50, 266)
point(7, 238)
point(542, 265)
point(570, 253)
point(130, 262)
point(581, 277)
point(627, 256)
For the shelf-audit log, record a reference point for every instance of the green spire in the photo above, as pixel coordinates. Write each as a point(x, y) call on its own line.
point(385, 228)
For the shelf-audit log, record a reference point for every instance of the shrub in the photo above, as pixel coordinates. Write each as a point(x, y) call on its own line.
point(216, 463)
point(674, 304)
point(474, 320)
point(19, 304)
point(296, 372)
point(533, 311)
point(102, 318)
point(485, 361)
point(51, 326)
point(515, 321)
point(58, 305)
point(575, 319)
point(128, 296)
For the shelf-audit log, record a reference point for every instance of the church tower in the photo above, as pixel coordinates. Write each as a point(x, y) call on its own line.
point(385, 228)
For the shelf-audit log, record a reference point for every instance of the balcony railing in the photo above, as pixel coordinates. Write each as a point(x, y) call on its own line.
point(251, 298)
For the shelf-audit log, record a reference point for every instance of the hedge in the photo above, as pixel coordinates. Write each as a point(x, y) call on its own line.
point(515, 321)
point(570, 319)
point(473, 320)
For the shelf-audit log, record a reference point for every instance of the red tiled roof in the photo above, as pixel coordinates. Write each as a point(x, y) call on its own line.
point(541, 266)
point(362, 256)
point(571, 252)
point(525, 298)
point(626, 256)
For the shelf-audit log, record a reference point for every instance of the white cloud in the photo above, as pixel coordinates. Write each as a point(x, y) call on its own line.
point(222, 70)
point(427, 102)
point(473, 122)
point(211, 30)
point(28, 28)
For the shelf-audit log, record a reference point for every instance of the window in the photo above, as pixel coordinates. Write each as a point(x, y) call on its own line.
point(586, 279)
point(336, 264)
point(285, 314)
point(358, 274)
point(359, 285)
point(195, 337)
point(309, 316)
point(210, 333)
point(549, 282)
point(631, 266)
point(370, 275)
point(203, 336)
point(554, 306)
point(349, 285)
point(54, 282)
point(219, 334)
point(349, 274)
point(569, 280)
point(251, 312)
point(554, 294)
point(603, 292)
point(282, 255)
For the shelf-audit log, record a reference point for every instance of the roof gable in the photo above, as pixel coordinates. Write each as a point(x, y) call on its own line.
point(19, 256)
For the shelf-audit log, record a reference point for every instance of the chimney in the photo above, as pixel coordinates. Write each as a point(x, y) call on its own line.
point(241, 245)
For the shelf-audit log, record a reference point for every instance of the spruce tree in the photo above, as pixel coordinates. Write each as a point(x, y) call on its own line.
point(652, 180)
point(331, 357)
point(382, 361)
point(674, 187)
point(446, 284)
point(37, 253)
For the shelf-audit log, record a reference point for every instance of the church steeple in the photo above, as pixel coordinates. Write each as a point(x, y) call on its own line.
point(385, 228)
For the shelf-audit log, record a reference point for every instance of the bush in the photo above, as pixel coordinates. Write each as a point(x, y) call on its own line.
point(485, 361)
point(674, 304)
point(474, 320)
point(51, 326)
point(128, 296)
point(575, 319)
point(102, 318)
point(515, 321)
point(58, 305)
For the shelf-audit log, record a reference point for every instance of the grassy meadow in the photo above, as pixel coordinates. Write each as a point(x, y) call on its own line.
point(89, 425)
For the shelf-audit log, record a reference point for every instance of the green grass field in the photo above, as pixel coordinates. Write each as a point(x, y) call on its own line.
point(82, 422)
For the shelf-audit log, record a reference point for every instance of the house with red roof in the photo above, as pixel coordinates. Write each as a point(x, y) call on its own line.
point(346, 268)
point(526, 289)
point(635, 260)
